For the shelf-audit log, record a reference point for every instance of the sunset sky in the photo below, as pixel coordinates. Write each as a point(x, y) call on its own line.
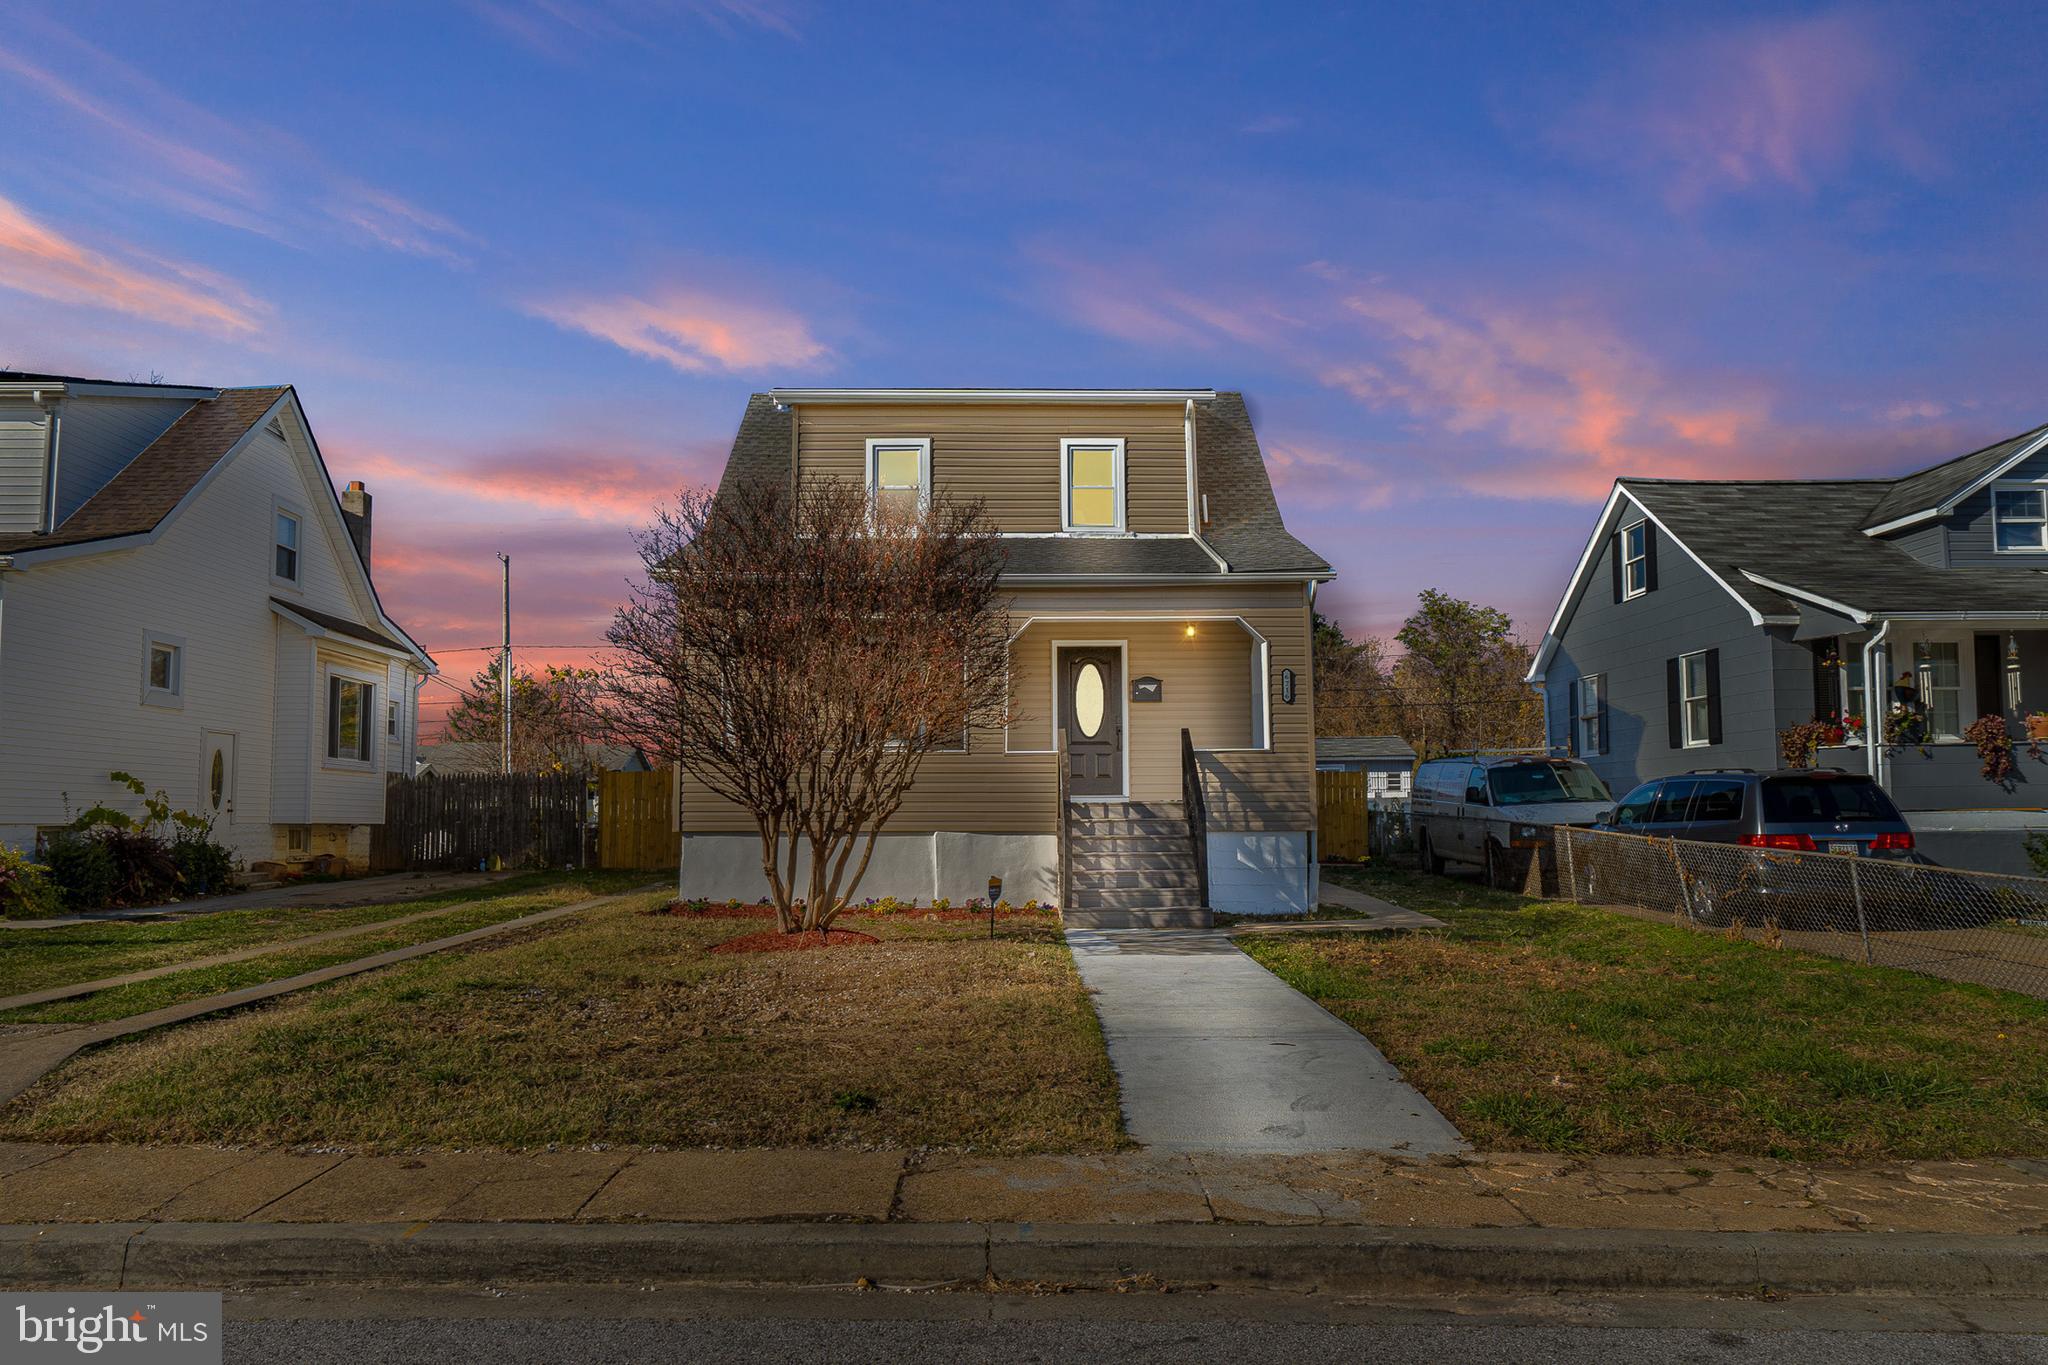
point(524, 259)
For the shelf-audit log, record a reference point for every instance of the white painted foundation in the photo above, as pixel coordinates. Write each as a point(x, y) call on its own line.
point(1261, 874)
point(920, 867)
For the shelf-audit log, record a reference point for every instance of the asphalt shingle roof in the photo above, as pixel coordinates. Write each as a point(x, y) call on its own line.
point(1809, 535)
point(1334, 747)
point(155, 481)
point(1932, 487)
point(341, 625)
point(1245, 527)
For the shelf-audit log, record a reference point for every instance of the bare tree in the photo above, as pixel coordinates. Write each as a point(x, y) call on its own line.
point(801, 657)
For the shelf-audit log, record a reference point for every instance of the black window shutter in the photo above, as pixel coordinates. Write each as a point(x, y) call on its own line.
point(1713, 696)
point(1676, 706)
point(1614, 555)
point(334, 718)
point(1649, 556)
point(1600, 701)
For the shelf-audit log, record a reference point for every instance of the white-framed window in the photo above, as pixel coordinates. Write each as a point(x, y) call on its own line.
point(1853, 691)
point(163, 670)
point(1590, 688)
point(1092, 484)
point(287, 530)
point(1941, 681)
point(899, 474)
point(391, 720)
point(1635, 560)
point(1695, 705)
point(2019, 518)
point(351, 706)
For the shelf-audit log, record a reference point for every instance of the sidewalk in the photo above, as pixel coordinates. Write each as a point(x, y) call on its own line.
point(47, 1184)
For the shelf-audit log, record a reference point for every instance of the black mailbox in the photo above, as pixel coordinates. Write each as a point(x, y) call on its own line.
point(1147, 689)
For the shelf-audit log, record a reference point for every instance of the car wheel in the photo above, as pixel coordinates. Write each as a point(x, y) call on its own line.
point(1706, 906)
point(1425, 854)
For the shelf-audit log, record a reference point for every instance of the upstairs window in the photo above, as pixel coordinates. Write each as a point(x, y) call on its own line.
point(1635, 560)
point(2019, 519)
point(349, 708)
point(899, 478)
point(286, 565)
point(1092, 485)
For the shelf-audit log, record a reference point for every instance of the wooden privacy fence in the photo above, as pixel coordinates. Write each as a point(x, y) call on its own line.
point(1343, 819)
point(636, 820)
point(465, 820)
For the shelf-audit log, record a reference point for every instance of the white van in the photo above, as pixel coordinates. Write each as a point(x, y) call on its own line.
point(1474, 809)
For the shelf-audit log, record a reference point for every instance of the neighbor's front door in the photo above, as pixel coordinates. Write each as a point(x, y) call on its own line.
point(1091, 710)
point(217, 777)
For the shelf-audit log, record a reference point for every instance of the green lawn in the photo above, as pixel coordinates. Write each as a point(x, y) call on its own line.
point(35, 959)
point(618, 1027)
point(1554, 1027)
point(458, 916)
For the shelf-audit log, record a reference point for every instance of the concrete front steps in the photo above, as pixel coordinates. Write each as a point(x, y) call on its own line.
point(1132, 868)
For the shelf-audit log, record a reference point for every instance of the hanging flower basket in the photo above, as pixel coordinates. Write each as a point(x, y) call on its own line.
point(2037, 725)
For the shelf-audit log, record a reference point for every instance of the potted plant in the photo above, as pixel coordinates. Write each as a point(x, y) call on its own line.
point(1904, 725)
point(2037, 725)
point(1852, 729)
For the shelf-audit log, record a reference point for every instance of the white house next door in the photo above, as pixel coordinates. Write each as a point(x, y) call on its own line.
point(217, 777)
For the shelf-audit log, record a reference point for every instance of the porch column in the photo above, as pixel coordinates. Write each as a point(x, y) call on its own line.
point(1876, 699)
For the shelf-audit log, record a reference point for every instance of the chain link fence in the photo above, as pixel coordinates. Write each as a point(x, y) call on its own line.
point(1963, 926)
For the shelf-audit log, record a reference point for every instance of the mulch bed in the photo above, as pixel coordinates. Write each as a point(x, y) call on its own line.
point(775, 941)
point(714, 910)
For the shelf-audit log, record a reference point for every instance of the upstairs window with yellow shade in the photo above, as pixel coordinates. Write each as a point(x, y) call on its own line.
point(899, 477)
point(1092, 498)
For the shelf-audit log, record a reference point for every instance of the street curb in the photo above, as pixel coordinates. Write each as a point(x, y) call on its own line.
point(1297, 1259)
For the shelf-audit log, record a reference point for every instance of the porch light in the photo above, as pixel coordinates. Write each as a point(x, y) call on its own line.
point(1188, 630)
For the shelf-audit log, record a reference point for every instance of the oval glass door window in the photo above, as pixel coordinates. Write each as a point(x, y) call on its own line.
point(1088, 700)
point(217, 782)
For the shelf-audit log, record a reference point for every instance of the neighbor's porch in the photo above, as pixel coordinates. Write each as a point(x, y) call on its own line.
point(1934, 681)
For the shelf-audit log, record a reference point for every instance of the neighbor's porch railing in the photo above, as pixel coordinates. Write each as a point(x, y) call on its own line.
point(1197, 808)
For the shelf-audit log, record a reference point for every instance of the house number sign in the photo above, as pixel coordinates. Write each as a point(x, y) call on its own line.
point(1287, 686)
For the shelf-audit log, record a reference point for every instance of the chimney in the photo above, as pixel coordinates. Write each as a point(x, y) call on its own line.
point(355, 510)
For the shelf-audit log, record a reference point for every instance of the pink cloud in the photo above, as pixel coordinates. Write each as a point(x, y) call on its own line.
point(693, 331)
point(546, 26)
point(133, 137)
point(1776, 102)
point(1134, 300)
point(36, 259)
point(606, 480)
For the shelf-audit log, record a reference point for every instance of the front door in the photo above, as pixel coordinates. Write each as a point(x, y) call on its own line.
point(217, 777)
point(1092, 711)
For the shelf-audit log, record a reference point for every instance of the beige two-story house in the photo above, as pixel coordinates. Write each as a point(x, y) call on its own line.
point(1154, 594)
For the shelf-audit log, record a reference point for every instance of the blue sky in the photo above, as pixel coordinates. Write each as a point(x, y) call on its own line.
point(525, 260)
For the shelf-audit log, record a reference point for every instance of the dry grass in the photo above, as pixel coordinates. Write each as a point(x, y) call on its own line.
point(620, 1028)
point(1554, 1027)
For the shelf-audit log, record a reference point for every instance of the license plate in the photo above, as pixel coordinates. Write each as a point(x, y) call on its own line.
point(1846, 846)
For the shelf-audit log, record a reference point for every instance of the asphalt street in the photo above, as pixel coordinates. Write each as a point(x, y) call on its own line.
point(653, 1325)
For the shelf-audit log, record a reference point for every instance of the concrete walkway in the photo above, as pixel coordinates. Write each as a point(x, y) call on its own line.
point(1216, 1054)
point(1383, 914)
point(29, 1052)
point(399, 886)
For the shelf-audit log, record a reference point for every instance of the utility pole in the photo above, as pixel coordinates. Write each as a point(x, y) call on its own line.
point(505, 671)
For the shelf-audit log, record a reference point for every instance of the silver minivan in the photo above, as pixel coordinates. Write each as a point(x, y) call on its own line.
point(1475, 809)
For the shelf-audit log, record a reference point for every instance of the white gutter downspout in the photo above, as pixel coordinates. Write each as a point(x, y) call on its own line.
point(46, 515)
point(1873, 718)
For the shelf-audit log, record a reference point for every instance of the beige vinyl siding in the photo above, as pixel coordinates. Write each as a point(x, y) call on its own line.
point(1207, 686)
point(1009, 455)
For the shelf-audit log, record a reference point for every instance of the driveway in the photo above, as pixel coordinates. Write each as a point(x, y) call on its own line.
point(1216, 1054)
